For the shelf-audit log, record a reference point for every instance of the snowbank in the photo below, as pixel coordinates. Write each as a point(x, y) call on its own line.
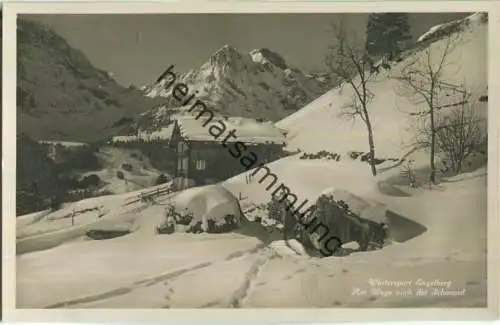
point(307, 179)
point(208, 202)
point(28, 219)
point(49, 240)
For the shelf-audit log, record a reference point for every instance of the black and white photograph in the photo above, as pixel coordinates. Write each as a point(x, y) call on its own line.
point(252, 160)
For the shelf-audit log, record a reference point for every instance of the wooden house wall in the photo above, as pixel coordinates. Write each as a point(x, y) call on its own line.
point(159, 152)
point(219, 163)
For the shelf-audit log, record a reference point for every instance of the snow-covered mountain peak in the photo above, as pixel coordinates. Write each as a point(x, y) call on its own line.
point(252, 84)
point(227, 49)
point(264, 55)
point(225, 56)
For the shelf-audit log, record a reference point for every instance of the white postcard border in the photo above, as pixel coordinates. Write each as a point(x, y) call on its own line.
point(230, 316)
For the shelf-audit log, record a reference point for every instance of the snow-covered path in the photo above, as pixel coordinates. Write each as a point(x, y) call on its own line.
point(239, 270)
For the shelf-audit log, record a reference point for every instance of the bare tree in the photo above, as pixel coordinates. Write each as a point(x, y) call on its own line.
point(353, 65)
point(460, 134)
point(423, 76)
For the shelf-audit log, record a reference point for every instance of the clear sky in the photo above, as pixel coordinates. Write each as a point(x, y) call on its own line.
point(137, 48)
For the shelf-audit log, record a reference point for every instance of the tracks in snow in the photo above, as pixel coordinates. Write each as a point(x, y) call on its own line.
point(153, 280)
point(237, 299)
point(241, 294)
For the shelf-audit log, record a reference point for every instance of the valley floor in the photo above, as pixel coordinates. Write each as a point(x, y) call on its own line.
point(440, 240)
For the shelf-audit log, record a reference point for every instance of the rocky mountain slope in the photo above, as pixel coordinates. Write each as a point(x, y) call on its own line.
point(255, 84)
point(61, 95)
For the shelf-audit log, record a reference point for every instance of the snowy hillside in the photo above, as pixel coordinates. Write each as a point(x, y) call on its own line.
point(259, 83)
point(318, 126)
point(135, 167)
point(252, 267)
point(452, 27)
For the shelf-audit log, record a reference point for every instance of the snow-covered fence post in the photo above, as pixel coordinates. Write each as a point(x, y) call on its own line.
point(73, 217)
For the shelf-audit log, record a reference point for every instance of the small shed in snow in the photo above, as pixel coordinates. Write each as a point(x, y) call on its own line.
point(209, 151)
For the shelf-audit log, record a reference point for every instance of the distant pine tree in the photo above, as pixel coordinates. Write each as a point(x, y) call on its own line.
point(387, 34)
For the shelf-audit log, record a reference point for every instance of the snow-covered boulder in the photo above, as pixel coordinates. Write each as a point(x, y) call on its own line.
point(209, 205)
point(340, 217)
point(105, 229)
point(362, 207)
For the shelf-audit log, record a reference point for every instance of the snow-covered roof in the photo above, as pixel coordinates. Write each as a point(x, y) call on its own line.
point(64, 143)
point(164, 133)
point(247, 130)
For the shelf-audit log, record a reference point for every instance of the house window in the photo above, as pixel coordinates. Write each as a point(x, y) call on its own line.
point(181, 147)
point(182, 166)
point(200, 164)
point(184, 163)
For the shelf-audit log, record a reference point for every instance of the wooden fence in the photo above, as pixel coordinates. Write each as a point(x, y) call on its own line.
point(76, 212)
point(148, 196)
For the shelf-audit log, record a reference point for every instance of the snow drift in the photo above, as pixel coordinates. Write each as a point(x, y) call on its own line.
point(211, 202)
point(364, 208)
